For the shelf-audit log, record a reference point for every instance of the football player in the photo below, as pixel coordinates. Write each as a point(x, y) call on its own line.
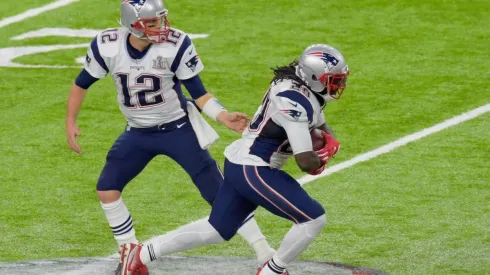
point(291, 108)
point(149, 61)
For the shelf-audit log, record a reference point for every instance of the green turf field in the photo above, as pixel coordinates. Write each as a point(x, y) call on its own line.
point(421, 209)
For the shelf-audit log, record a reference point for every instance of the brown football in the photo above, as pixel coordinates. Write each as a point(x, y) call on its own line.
point(317, 139)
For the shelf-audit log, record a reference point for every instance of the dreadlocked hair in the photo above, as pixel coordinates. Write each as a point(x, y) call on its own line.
point(287, 72)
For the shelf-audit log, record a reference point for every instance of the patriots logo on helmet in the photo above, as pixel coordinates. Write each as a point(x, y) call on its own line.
point(136, 3)
point(192, 63)
point(329, 59)
point(293, 113)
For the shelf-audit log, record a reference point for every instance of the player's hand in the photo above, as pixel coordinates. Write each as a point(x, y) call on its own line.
point(317, 171)
point(72, 132)
point(332, 147)
point(234, 121)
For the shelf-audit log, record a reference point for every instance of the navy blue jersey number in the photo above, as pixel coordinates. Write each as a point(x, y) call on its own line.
point(145, 97)
point(259, 118)
point(109, 36)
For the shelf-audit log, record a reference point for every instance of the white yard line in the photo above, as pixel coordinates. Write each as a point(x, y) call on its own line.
point(400, 142)
point(34, 12)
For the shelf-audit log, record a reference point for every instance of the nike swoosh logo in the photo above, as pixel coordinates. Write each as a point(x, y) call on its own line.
point(180, 125)
point(295, 105)
point(190, 53)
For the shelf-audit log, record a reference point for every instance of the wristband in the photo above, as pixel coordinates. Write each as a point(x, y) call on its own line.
point(212, 108)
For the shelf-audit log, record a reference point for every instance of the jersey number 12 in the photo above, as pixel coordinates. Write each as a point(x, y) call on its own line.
point(143, 98)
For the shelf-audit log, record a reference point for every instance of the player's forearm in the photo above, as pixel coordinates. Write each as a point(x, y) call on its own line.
point(75, 99)
point(203, 100)
point(211, 107)
point(324, 127)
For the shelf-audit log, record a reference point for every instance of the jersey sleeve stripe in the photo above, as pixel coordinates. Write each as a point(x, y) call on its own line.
point(300, 99)
point(178, 58)
point(195, 87)
point(85, 80)
point(98, 57)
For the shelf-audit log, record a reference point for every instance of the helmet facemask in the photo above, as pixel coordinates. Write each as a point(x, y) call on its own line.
point(334, 84)
point(148, 27)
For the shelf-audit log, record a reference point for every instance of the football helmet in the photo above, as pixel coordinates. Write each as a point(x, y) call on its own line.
point(136, 14)
point(324, 70)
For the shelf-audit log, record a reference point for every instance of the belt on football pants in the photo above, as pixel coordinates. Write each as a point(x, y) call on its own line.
point(162, 127)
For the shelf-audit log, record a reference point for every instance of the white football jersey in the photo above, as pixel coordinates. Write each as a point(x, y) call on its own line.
point(149, 89)
point(266, 143)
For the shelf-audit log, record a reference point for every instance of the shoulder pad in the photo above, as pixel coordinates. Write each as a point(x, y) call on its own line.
point(109, 41)
point(294, 105)
point(175, 37)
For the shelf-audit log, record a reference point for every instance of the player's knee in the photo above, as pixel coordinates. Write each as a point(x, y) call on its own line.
point(208, 167)
point(208, 180)
point(110, 179)
point(108, 196)
point(225, 230)
point(106, 184)
point(209, 234)
point(314, 227)
point(315, 210)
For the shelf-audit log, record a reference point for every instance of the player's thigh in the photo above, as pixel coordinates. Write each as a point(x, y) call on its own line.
point(274, 190)
point(229, 211)
point(124, 161)
point(182, 146)
point(197, 162)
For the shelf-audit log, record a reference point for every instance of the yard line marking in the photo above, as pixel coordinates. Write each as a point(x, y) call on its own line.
point(8, 55)
point(398, 143)
point(34, 12)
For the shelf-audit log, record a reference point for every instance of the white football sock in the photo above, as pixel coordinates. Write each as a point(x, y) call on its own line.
point(273, 268)
point(120, 222)
point(297, 240)
point(189, 236)
point(250, 231)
